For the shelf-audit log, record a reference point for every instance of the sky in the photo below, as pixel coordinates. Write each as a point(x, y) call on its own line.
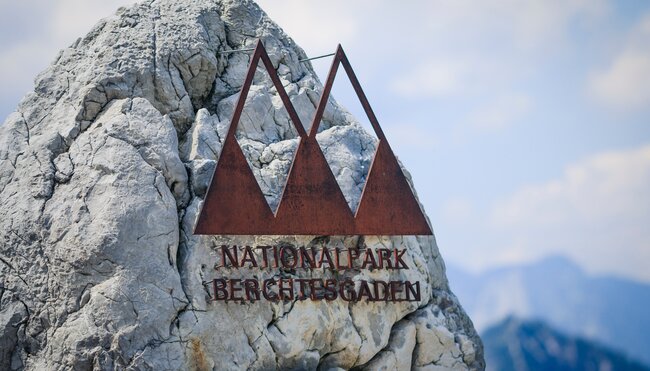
point(525, 124)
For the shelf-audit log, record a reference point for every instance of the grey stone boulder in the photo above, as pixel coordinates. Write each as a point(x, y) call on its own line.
point(103, 170)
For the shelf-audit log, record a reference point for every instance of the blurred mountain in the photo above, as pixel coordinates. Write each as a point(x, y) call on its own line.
point(609, 310)
point(534, 346)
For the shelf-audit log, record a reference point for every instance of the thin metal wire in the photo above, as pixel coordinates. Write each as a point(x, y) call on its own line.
point(320, 56)
point(250, 50)
point(235, 51)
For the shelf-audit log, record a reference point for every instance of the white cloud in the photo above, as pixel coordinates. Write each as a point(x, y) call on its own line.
point(500, 112)
point(21, 60)
point(531, 24)
point(625, 83)
point(610, 185)
point(74, 18)
point(598, 213)
point(318, 26)
point(458, 210)
point(433, 79)
point(409, 136)
point(487, 44)
point(540, 23)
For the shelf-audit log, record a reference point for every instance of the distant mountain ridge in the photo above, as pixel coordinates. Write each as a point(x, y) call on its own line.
point(611, 310)
point(515, 345)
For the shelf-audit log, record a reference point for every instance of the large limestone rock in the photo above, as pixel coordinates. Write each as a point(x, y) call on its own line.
point(102, 173)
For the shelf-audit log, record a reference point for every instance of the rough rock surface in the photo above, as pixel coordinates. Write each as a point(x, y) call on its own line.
point(103, 168)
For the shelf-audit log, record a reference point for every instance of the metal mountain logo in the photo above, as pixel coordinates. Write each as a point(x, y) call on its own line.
point(312, 202)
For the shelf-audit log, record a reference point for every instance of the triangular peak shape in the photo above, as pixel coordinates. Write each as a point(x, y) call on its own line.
point(312, 202)
point(341, 59)
point(267, 132)
point(349, 148)
point(234, 203)
point(387, 205)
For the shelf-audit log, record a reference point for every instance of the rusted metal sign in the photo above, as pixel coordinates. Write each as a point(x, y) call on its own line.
point(312, 202)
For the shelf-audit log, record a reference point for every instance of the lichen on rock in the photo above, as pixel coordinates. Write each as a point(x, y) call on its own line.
point(103, 168)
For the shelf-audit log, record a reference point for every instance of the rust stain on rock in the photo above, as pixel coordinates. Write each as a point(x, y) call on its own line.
point(197, 359)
